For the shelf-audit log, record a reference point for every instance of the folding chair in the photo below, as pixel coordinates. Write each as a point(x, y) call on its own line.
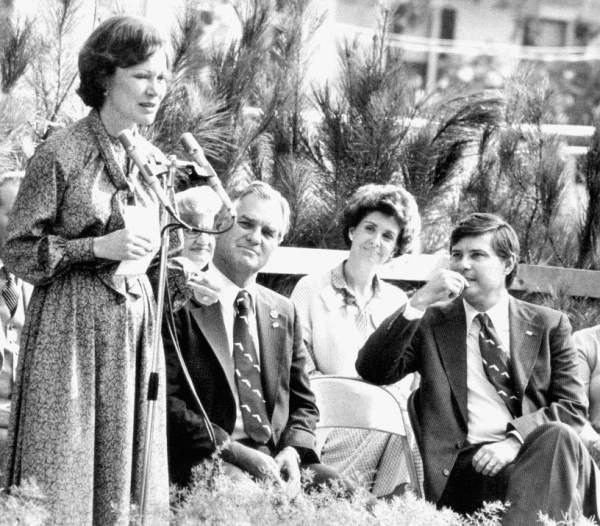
point(353, 403)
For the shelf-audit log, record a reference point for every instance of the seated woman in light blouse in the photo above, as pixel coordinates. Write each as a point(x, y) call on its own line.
point(341, 307)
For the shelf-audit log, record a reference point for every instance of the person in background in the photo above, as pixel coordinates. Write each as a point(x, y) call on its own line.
point(246, 360)
point(501, 403)
point(198, 207)
point(587, 343)
point(341, 307)
point(79, 420)
point(187, 273)
point(15, 294)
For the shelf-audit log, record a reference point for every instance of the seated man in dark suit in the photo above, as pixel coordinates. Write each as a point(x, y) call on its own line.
point(246, 359)
point(500, 403)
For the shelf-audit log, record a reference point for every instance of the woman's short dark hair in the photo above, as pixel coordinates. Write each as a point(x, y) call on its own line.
point(390, 200)
point(505, 241)
point(120, 41)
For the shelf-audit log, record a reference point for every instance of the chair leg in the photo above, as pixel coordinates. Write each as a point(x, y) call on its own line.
point(410, 458)
point(412, 469)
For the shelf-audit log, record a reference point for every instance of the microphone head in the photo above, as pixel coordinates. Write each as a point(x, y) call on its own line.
point(127, 140)
point(191, 145)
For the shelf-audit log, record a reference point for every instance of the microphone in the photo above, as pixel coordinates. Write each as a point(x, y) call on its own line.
point(129, 143)
point(197, 154)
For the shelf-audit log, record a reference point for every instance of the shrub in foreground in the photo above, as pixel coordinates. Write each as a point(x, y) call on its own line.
point(24, 506)
point(215, 500)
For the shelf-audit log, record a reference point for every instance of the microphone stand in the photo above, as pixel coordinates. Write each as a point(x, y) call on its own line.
point(153, 381)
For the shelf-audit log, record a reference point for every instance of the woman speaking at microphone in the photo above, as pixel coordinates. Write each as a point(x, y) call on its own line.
point(82, 229)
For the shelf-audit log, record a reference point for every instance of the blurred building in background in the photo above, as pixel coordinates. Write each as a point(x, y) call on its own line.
point(436, 34)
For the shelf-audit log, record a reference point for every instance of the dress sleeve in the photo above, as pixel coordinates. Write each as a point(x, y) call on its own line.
point(31, 251)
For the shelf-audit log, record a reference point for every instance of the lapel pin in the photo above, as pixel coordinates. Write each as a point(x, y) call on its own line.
point(273, 314)
point(529, 333)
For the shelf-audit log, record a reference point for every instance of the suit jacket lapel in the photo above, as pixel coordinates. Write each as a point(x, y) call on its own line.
point(210, 321)
point(451, 337)
point(271, 325)
point(525, 339)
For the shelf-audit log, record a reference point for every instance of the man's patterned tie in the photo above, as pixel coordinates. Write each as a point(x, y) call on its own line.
point(247, 374)
point(496, 363)
point(10, 294)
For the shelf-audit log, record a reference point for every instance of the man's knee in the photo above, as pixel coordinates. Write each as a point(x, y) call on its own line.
point(554, 438)
point(555, 432)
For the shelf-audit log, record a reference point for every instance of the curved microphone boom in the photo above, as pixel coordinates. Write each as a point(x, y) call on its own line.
point(195, 151)
point(142, 162)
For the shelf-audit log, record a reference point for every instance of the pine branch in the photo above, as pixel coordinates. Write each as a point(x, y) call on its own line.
point(185, 37)
point(454, 131)
point(17, 51)
point(589, 246)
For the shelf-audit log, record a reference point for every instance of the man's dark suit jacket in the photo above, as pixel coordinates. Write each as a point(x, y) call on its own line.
point(544, 369)
point(203, 341)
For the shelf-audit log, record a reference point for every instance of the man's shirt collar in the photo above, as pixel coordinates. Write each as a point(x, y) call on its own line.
point(498, 313)
point(229, 290)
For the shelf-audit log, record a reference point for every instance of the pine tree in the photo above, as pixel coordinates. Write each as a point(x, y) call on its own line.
point(521, 174)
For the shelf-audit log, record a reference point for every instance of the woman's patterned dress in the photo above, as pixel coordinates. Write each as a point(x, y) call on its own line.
point(79, 411)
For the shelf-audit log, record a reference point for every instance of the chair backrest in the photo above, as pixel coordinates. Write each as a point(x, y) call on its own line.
point(354, 403)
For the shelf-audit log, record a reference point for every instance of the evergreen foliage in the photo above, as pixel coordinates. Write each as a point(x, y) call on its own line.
point(589, 242)
point(190, 104)
point(251, 107)
point(53, 73)
point(24, 505)
point(16, 51)
point(215, 499)
point(521, 174)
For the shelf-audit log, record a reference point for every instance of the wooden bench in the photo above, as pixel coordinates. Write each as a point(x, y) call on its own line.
point(294, 261)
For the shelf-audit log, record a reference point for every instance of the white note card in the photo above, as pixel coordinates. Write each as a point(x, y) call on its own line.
point(140, 220)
